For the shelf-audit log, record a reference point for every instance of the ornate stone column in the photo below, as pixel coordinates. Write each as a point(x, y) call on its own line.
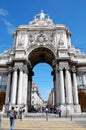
point(75, 92)
point(56, 86)
point(69, 96)
point(62, 92)
point(54, 91)
point(84, 78)
point(29, 89)
point(7, 99)
point(53, 73)
point(25, 85)
point(29, 92)
point(14, 86)
point(20, 83)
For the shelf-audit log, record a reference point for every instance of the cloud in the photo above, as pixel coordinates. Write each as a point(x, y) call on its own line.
point(3, 12)
point(10, 27)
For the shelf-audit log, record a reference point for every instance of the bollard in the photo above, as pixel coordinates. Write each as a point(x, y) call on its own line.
point(46, 116)
point(71, 117)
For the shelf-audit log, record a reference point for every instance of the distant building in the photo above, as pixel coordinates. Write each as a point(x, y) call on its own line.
point(36, 99)
point(51, 101)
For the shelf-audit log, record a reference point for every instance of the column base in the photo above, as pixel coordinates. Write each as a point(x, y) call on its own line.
point(67, 110)
point(70, 109)
point(77, 108)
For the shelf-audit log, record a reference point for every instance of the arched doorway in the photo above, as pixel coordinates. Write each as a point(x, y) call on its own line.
point(2, 98)
point(82, 100)
point(41, 56)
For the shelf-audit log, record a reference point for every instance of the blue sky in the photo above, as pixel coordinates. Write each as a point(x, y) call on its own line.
point(72, 13)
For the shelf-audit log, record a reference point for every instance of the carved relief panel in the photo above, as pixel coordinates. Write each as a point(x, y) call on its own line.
point(41, 37)
point(61, 39)
point(20, 39)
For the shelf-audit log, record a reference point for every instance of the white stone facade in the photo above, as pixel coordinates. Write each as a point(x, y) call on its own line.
point(43, 41)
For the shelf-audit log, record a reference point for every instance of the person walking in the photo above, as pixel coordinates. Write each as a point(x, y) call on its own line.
point(1, 113)
point(20, 113)
point(46, 111)
point(59, 111)
point(12, 115)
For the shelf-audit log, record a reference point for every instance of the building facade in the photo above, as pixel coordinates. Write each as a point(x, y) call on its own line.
point(43, 41)
point(51, 101)
point(36, 99)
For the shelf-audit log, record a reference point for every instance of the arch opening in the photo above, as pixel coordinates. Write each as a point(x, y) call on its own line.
point(41, 55)
point(41, 60)
point(43, 81)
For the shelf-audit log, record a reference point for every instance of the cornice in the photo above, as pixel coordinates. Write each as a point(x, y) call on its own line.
point(19, 59)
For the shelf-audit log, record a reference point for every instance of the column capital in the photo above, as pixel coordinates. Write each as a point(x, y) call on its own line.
point(25, 70)
point(10, 69)
point(15, 68)
point(64, 68)
point(60, 69)
point(73, 69)
point(67, 69)
point(21, 68)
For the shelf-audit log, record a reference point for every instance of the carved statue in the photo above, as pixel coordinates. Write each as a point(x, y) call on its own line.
point(42, 15)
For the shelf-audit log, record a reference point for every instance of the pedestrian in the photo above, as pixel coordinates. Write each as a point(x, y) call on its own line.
point(12, 115)
point(20, 113)
point(59, 111)
point(46, 111)
point(1, 114)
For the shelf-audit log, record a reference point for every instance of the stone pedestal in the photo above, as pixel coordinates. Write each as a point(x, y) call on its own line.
point(70, 109)
point(77, 109)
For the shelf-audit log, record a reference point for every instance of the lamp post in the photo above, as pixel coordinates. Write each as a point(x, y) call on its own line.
point(66, 105)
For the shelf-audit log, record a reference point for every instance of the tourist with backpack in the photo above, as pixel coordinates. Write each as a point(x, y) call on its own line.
point(12, 115)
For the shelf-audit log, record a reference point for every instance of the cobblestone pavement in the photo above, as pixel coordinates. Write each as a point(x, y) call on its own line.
point(38, 121)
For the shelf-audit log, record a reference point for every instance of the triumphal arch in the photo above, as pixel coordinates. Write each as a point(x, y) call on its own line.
point(43, 41)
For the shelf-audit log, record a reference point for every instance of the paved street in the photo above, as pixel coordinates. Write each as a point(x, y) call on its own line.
point(38, 121)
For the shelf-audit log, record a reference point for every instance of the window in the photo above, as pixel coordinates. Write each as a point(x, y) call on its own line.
point(80, 81)
point(32, 102)
point(3, 82)
point(32, 97)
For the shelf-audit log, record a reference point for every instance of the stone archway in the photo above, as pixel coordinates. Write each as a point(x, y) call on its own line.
point(43, 41)
point(39, 55)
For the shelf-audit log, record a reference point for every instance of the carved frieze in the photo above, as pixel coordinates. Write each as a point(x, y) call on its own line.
point(41, 37)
